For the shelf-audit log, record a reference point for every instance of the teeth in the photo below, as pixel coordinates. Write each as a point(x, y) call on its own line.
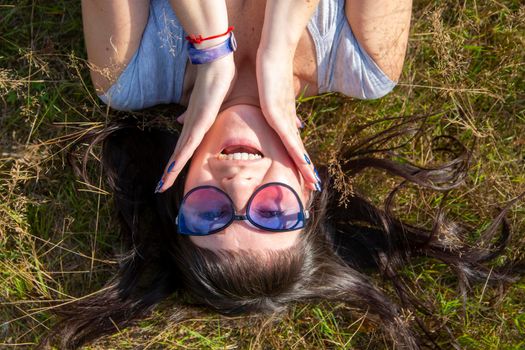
point(239, 156)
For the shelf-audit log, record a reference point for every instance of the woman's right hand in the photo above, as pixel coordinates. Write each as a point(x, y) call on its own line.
point(277, 98)
point(275, 55)
point(211, 87)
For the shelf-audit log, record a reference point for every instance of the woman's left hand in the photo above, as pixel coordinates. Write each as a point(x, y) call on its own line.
point(277, 98)
point(212, 85)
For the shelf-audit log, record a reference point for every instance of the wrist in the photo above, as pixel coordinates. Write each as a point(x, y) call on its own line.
point(275, 53)
point(208, 43)
point(275, 42)
point(201, 42)
point(221, 67)
point(204, 56)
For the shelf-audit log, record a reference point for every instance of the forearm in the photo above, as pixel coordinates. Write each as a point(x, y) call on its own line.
point(284, 23)
point(382, 27)
point(204, 17)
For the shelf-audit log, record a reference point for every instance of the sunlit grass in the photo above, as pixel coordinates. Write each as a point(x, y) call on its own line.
point(57, 236)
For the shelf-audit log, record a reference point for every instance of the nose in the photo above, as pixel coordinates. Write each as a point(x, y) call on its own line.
point(239, 187)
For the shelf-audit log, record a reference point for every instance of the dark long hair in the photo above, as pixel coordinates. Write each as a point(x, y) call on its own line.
point(346, 236)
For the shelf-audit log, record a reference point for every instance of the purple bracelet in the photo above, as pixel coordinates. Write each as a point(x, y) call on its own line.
point(202, 56)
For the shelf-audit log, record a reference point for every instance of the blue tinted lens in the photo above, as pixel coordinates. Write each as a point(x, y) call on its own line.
point(205, 210)
point(276, 207)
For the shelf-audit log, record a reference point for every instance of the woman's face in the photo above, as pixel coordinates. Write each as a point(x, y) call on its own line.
point(243, 129)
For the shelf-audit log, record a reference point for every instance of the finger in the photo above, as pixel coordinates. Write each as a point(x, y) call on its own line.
point(191, 137)
point(291, 139)
point(294, 146)
point(192, 134)
point(211, 87)
point(181, 155)
point(305, 165)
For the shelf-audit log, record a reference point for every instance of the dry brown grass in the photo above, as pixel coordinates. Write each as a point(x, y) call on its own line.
point(465, 65)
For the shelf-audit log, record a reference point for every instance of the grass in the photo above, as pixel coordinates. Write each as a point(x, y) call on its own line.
point(465, 63)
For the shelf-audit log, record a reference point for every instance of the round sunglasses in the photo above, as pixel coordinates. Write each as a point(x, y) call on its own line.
point(273, 207)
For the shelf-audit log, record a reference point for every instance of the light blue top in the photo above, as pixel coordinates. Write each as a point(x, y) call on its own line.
point(155, 73)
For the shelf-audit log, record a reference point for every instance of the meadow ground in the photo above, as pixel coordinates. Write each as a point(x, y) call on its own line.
point(465, 66)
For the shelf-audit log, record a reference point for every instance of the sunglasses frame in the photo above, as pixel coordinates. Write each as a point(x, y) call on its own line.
point(304, 215)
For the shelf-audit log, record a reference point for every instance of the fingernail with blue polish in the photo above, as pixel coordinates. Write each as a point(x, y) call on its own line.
point(159, 186)
point(318, 187)
point(317, 175)
point(170, 168)
point(307, 159)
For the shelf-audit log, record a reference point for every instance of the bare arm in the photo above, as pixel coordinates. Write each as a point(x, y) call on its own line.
point(112, 32)
point(284, 24)
point(382, 27)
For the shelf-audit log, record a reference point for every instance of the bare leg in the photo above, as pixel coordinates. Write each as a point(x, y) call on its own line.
point(382, 27)
point(112, 32)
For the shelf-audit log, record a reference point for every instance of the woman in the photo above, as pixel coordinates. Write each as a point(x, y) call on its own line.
point(139, 60)
point(318, 52)
point(230, 263)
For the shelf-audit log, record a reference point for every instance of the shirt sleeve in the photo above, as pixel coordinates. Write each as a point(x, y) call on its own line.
point(353, 72)
point(155, 73)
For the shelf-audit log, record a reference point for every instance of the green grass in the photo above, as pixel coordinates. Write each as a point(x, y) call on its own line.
point(465, 63)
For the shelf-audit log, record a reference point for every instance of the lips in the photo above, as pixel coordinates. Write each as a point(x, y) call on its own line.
point(240, 151)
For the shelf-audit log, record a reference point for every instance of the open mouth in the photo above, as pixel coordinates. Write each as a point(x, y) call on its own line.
point(240, 152)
